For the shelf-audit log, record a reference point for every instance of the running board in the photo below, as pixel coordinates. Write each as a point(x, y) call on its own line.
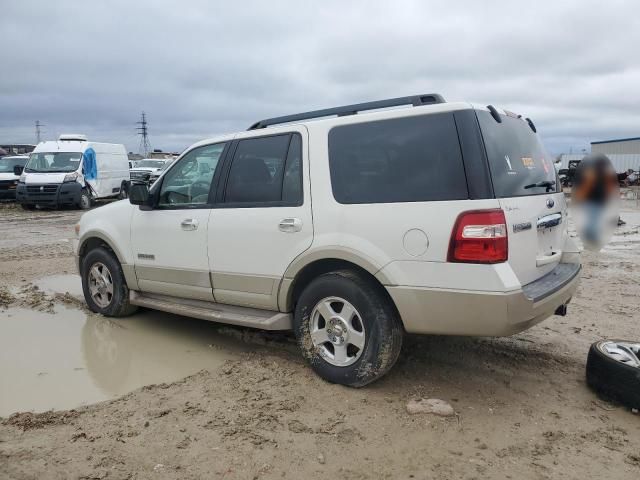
point(215, 312)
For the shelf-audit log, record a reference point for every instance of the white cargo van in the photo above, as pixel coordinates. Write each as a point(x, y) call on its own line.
point(72, 172)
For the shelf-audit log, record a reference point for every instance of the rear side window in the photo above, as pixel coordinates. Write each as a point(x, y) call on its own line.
point(518, 162)
point(266, 170)
point(411, 159)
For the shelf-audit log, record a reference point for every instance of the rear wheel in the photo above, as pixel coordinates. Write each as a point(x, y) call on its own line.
point(347, 328)
point(124, 191)
point(28, 206)
point(103, 284)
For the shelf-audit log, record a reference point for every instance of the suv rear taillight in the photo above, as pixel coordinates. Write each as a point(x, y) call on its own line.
point(479, 236)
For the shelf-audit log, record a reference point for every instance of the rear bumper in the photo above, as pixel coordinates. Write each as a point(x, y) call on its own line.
point(477, 313)
point(49, 194)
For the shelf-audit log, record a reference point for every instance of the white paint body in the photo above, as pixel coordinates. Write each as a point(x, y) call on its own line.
point(404, 245)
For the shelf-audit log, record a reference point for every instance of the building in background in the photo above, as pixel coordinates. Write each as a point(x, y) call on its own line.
point(624, 153)
point(620, 146)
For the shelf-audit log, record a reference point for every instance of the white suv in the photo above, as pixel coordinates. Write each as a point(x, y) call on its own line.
point(349, 226)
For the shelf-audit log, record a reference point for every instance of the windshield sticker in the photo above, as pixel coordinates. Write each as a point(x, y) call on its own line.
point(528, 162)
point(511, 170)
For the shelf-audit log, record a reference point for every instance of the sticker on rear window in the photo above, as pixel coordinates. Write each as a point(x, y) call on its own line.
point(544, 165)
point(511, 170)
point(528, 162)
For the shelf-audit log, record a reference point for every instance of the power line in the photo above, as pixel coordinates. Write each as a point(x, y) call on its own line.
point(143, 131)
point(38, 131)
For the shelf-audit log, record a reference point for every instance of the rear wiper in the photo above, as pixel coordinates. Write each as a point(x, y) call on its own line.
point(546, 183)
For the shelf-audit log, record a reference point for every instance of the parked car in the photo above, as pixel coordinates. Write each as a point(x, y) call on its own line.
point(567, 175)
point(155, 175)
point(145, 168)
point(8, 177)
point(72, 171)
point(442, 218)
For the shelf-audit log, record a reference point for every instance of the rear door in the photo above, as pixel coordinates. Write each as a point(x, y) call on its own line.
point(262, 219)
point(525, 183)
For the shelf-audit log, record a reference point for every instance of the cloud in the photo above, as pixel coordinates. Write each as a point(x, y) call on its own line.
point(202, 68)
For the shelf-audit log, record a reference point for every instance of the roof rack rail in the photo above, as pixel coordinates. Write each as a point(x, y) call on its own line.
point(415, 100)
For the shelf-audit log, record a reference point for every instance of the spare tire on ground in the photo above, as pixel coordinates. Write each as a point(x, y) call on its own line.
point(613, 370)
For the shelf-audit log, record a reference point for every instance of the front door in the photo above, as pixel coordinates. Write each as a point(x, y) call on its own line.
point(262, 220)
point(170, 241)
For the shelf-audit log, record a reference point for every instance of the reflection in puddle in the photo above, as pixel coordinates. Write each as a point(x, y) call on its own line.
point(68, 359)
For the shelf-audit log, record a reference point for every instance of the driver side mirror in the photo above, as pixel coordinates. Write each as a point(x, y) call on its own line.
point(17, 170)
point(139, 194)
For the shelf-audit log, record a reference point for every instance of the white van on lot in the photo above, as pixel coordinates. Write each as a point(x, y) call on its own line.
point(72, 172)
point(442, 218)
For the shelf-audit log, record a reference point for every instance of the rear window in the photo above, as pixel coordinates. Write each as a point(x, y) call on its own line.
point(411, 159)
point(518, 161)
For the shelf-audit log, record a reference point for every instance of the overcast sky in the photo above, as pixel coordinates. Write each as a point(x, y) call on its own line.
point(203, 68)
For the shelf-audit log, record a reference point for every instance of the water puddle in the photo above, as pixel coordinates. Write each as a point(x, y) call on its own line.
point(68, 358)
point(61, 284)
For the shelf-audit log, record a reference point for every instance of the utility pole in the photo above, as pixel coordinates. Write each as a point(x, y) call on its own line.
point(38, 131)
point(143, 131)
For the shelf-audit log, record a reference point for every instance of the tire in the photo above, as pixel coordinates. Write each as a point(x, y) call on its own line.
point(375, 325)
point(124, 191)
point(113, 301)
point(28, 206)
point(85, 200)
point(613, 378)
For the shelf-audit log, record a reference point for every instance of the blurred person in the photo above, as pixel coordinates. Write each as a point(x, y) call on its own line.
point(596, 196)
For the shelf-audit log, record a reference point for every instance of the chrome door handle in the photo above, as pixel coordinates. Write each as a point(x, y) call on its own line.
point(189, 224)
point(290, 225)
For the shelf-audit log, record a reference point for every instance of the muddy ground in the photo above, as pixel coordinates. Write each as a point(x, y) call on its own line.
point(523, 410)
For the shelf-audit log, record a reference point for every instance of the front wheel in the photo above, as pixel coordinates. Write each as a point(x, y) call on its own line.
point(85, 200)
point(103, 284)
point(347, 328)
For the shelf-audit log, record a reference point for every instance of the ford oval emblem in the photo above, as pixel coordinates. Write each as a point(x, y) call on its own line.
point(550, 203)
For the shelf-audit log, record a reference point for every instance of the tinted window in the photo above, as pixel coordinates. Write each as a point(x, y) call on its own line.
point(518, 161)
point(259, 167)
point(412, 159)
point(189, 181)
point(292, 181)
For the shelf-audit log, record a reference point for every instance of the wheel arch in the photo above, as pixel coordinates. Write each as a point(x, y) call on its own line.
point(304, 273)
point(95, 239)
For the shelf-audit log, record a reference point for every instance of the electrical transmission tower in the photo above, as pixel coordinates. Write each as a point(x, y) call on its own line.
point(143, 131)
point(38, 131)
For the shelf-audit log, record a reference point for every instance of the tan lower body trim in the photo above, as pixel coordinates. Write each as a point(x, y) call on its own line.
point(194, 278)
point(257, 291)
point(129, 272)
point(176, 290)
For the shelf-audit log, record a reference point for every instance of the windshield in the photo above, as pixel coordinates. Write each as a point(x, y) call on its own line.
point(7, 163)
point(518, 161)
point(54, 162)
point(150, 164)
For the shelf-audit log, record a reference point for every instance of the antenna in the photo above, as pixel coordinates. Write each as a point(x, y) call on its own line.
point(38, 131)
point(143, 131)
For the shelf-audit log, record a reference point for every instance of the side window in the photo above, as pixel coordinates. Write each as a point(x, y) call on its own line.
point(292, 181)
point(410, 159)
point(189, 180)
point(261, 166)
